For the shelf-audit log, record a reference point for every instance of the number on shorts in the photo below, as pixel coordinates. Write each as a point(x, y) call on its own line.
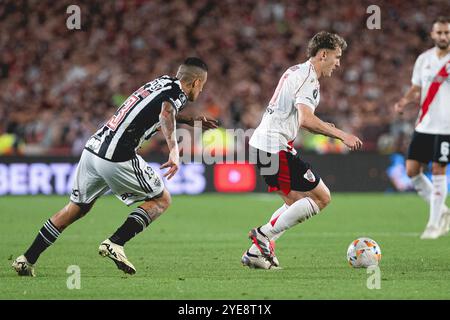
point(445, 151)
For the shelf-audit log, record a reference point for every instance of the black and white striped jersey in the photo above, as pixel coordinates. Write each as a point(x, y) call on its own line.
point(136, 120)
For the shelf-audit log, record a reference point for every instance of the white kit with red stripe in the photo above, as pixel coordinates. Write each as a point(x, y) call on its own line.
point(279, 125)
point(432, 75)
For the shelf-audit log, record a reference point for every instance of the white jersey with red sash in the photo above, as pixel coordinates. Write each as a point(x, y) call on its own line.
point(279, 125)
point(432, 75)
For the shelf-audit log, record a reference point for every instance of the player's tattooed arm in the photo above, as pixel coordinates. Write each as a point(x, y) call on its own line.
point(168, 123)
point(412, 95)
point(207, 123)
point(309, 121)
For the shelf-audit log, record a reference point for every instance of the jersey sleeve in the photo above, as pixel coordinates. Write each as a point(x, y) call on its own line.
point(306, 93)
point(416, 79)
point(176, 98)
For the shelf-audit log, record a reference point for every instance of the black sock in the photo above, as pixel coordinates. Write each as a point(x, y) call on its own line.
point(136, 222)
point(45, 238)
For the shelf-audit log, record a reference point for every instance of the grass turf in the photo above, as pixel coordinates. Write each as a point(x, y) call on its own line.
point(193, 251)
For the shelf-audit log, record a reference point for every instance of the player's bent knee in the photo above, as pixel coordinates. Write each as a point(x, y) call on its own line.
point(412, 172)
point(83, 208)
point(324, 200)
point(165, 201)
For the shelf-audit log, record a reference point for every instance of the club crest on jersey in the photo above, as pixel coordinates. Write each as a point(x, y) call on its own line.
point(315, 93)
point(183, 98)
point(309, 176)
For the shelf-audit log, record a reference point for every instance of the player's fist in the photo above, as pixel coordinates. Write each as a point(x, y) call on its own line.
point(352, 142)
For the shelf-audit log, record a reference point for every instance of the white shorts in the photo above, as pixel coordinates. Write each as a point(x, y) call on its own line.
point(131, 181)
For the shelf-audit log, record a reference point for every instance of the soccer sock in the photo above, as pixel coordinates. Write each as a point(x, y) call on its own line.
point(274, 217)
point(254, 249)
point(424, 188)
point(437, 200)
point(45, 238)
point(136, 222)
point(298, 212)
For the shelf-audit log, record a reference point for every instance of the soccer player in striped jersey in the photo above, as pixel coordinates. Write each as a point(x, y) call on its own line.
point(110, 161)
point(431, 138)
point(292, 107)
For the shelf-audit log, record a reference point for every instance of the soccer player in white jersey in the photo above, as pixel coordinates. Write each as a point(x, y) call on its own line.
point(431, 138)
point(292, 107)
point(110, 161)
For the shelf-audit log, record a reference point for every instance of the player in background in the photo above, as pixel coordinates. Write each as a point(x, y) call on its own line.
point(109, 161)
point(292, 107)
point(431, 138)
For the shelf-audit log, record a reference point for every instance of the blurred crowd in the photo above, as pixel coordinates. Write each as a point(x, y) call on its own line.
point(58, 85)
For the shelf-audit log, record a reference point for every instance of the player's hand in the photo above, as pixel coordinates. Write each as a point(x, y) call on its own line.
point(207, 123)
point(400, 106)
point(331, 124)
point(173, 163)
point(352, 142)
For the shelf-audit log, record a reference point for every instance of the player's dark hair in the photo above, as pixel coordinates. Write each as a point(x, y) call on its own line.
point(441, 19)
point(325, 40)
point(197, 62)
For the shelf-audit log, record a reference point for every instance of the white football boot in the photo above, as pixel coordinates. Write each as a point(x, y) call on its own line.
point(266, 249)
point(261, 241)
point(23, 267)
point(431, 232)
point(254, 261)
point(116, 254)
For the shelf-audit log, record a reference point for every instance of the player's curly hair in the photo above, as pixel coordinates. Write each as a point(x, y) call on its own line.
point(325, 40)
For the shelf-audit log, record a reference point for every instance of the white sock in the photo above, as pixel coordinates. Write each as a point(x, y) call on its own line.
point(253, 249)
point(298, 212)
point(424, 188)
point(437, 200)
point(274, 218)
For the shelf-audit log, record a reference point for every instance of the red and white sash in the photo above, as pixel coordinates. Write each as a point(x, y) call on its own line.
point(432, 91)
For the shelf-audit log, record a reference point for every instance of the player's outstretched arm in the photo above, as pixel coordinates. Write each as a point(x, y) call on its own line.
point(309, 121)
point(207, 123)
point(168, 122)
point(412, 95)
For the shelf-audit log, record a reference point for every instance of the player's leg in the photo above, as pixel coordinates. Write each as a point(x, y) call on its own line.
point(48, 234)
point(86, 189)
point(420, 153)
point(439, 215)
point(420, 182)
point(302, 206)
point(133, 181)
point(141, 217)
point(253, 252)
point(304, 194)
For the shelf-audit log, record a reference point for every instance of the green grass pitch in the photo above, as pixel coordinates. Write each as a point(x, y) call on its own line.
point(193, 251)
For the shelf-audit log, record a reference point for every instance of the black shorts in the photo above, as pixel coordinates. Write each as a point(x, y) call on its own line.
point(426, 147)
point(293, 173)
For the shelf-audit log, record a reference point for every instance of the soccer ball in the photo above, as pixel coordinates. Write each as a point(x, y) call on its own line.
point(363, 252)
